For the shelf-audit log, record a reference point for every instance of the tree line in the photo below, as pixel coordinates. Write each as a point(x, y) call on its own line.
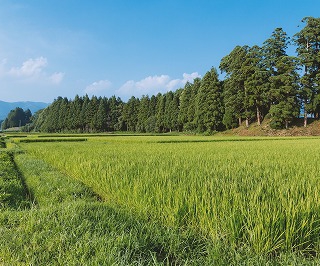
point(259, 82)
point(17, 118)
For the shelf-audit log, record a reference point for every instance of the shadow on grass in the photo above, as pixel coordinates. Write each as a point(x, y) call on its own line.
point(13, 190)
point(71, 226)
point(92, 233)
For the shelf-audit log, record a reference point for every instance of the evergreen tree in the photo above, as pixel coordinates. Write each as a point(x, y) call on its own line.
point(256, 84)
point(74, 117)
point(160, 112)
point(308, 45)
point(91, 113)
point(115, 111)
point(234, 89)
point(150, 125)
point(191, 113)
point(168, 125)
point(28, 116)
point(174, 111)
point(185, 101)
point(63, 114)
point(16, 118)
point(83, 116)
point(284, 105)
point(143, 113)
point(130, 113)
point(232, 115)
point(209, 103)
point(100, 118)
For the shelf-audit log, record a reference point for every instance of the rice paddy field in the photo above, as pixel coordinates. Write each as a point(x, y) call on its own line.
point(160, 200)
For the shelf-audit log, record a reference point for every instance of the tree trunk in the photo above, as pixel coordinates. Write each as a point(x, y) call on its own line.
point(247, 122)
point(286, 124)
point(258, 116)
point(240, 121)
point(305, 118)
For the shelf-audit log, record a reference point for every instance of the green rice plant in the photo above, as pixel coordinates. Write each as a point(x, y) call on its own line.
point(257, 196)
point(48, 186)
point(13, 194)
point(68, 225)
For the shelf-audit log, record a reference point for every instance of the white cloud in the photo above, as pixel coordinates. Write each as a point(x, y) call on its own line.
point(30, 68)
point(98, 86)
point(154, 84)
point(31, 71)
point(56, 78)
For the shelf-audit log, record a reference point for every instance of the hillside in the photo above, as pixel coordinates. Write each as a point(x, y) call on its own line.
point(6, 107)
point(297, 129)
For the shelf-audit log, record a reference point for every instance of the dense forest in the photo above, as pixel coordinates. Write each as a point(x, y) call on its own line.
point(259, 82)
point(17, 118)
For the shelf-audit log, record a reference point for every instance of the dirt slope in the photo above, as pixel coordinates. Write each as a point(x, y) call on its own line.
point(312, 129)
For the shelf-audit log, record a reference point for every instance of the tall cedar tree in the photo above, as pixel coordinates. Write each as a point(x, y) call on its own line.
point(233, 87)
point(308, 45)
point(143, 113)
point(101, 116)
point(191, 124)
point(209, 112)
point(160, 113)
point(256, 84)
point(283, 79)
point(130, 114)
point(185, 101)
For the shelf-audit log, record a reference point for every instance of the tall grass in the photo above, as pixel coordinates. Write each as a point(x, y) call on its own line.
point(257, 196)
point(13, 193)
point(68, 225)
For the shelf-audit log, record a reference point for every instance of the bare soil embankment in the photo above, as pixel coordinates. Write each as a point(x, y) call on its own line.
point(297, 129)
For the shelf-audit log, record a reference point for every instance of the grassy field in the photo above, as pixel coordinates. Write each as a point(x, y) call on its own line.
point(152, 200)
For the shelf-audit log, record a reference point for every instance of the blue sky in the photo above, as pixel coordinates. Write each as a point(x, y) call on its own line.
point(51, 48)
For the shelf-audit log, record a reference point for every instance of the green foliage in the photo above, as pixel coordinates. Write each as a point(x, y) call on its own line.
point(284, 80)
point(17, 118)
point(209, 107)
point(308, 43)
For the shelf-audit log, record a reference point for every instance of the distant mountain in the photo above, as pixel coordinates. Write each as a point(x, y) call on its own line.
point(6, 107)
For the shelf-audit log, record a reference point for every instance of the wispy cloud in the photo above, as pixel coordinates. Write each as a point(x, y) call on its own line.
point(31, 80)
point(154, 84)
point(56, 78)
point(30, 68)
point(98, 87)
